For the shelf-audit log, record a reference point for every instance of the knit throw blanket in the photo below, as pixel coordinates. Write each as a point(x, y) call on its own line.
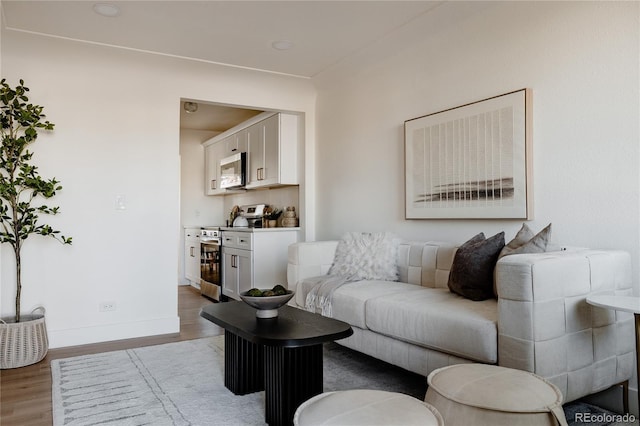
point(320, 297)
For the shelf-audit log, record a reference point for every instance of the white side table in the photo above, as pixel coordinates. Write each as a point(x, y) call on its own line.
point(625, 304)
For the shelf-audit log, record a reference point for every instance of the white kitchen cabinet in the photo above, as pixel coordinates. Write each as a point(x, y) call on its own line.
point(192, 256)
point(255, 152)
point(216, 151)
point(271, 142)
point(237, 268)
point(237, 263)
point(235, 143)
point(255, 258)
point(213, 154)
point(273, 152)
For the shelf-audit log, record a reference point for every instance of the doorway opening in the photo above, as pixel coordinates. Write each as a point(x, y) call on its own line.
point(200, 121)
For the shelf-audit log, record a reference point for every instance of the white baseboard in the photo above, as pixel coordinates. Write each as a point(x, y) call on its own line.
point(110, 332)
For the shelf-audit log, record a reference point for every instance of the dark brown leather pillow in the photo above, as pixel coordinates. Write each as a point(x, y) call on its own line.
point(471, 274)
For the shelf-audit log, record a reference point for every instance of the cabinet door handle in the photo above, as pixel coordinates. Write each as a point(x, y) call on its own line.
point(191, 251)
point(213, 184)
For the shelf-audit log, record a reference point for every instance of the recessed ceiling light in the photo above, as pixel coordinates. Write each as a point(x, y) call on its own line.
point(106, 9)
point(282, 44)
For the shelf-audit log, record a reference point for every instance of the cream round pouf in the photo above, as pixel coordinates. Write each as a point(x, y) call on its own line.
point(366, 407)
point(482, 394)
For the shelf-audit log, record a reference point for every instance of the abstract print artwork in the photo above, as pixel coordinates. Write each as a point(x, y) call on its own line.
point(472, 161)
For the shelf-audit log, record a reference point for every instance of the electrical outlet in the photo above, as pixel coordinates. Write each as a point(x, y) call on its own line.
point(107, 306)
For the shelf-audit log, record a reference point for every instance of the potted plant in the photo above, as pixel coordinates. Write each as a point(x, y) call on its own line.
point(23, 339)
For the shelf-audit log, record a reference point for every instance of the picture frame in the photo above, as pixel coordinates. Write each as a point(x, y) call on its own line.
point(471, 162)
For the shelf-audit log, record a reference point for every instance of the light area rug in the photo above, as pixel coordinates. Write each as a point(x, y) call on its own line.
point(172, 384)
point(183, 384)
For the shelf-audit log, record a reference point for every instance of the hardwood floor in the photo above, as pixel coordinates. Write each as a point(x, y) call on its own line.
point(25, 393)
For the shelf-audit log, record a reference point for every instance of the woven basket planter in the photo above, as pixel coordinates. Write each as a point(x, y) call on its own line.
point(25, 342)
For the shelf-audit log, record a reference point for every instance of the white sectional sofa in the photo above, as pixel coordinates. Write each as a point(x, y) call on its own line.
point(540, 322)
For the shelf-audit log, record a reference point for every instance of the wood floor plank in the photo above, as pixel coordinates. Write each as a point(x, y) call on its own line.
point(25, 393)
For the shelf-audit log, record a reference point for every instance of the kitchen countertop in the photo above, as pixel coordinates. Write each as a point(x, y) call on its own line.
point(243, 229)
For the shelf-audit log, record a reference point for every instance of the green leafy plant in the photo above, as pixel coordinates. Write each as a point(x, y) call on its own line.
point(21, 187)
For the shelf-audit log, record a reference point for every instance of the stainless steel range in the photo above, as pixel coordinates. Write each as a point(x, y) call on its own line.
point(210, 263)
point(251, 216)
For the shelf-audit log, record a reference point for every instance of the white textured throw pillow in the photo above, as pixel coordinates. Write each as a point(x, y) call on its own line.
point(366, 256)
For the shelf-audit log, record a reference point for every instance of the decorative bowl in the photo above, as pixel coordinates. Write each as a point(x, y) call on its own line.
point(267, 306)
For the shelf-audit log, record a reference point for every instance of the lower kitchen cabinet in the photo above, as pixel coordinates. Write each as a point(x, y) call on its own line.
point(254, 258)
point(192, 256)
point(237, 268)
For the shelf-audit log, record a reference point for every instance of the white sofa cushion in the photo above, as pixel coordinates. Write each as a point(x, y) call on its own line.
point(438, 319)
point(426, 263)
point(350, 300)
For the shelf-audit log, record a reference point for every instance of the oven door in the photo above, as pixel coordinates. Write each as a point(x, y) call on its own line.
point(210, 277)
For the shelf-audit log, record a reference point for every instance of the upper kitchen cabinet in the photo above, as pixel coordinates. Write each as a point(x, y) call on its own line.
point(235, 143)
point(212, 155)
point(273, 152)
point(271, 141)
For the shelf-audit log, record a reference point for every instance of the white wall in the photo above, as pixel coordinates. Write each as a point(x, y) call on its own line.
point(196, 208)
point(117, 133)
point(581, 60)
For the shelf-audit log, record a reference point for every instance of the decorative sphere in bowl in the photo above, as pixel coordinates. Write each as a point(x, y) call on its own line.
point(266, 304)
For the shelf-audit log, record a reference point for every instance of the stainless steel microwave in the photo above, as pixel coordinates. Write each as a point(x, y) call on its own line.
point(233, 171)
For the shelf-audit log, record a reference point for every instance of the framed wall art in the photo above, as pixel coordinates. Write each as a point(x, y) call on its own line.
point(471, 162)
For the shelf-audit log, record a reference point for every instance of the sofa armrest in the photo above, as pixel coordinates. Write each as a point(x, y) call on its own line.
point(309, 259)
point(545, 325)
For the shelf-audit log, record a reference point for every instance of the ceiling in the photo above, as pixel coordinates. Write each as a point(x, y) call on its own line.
point(322, 34)
point(214, 118)
point(238, 33)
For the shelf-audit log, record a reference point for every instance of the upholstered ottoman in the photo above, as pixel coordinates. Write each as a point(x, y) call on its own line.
point(366, 407)
point(483, 394)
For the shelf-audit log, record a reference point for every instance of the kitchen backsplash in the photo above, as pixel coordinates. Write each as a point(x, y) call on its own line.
point(278, 197)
